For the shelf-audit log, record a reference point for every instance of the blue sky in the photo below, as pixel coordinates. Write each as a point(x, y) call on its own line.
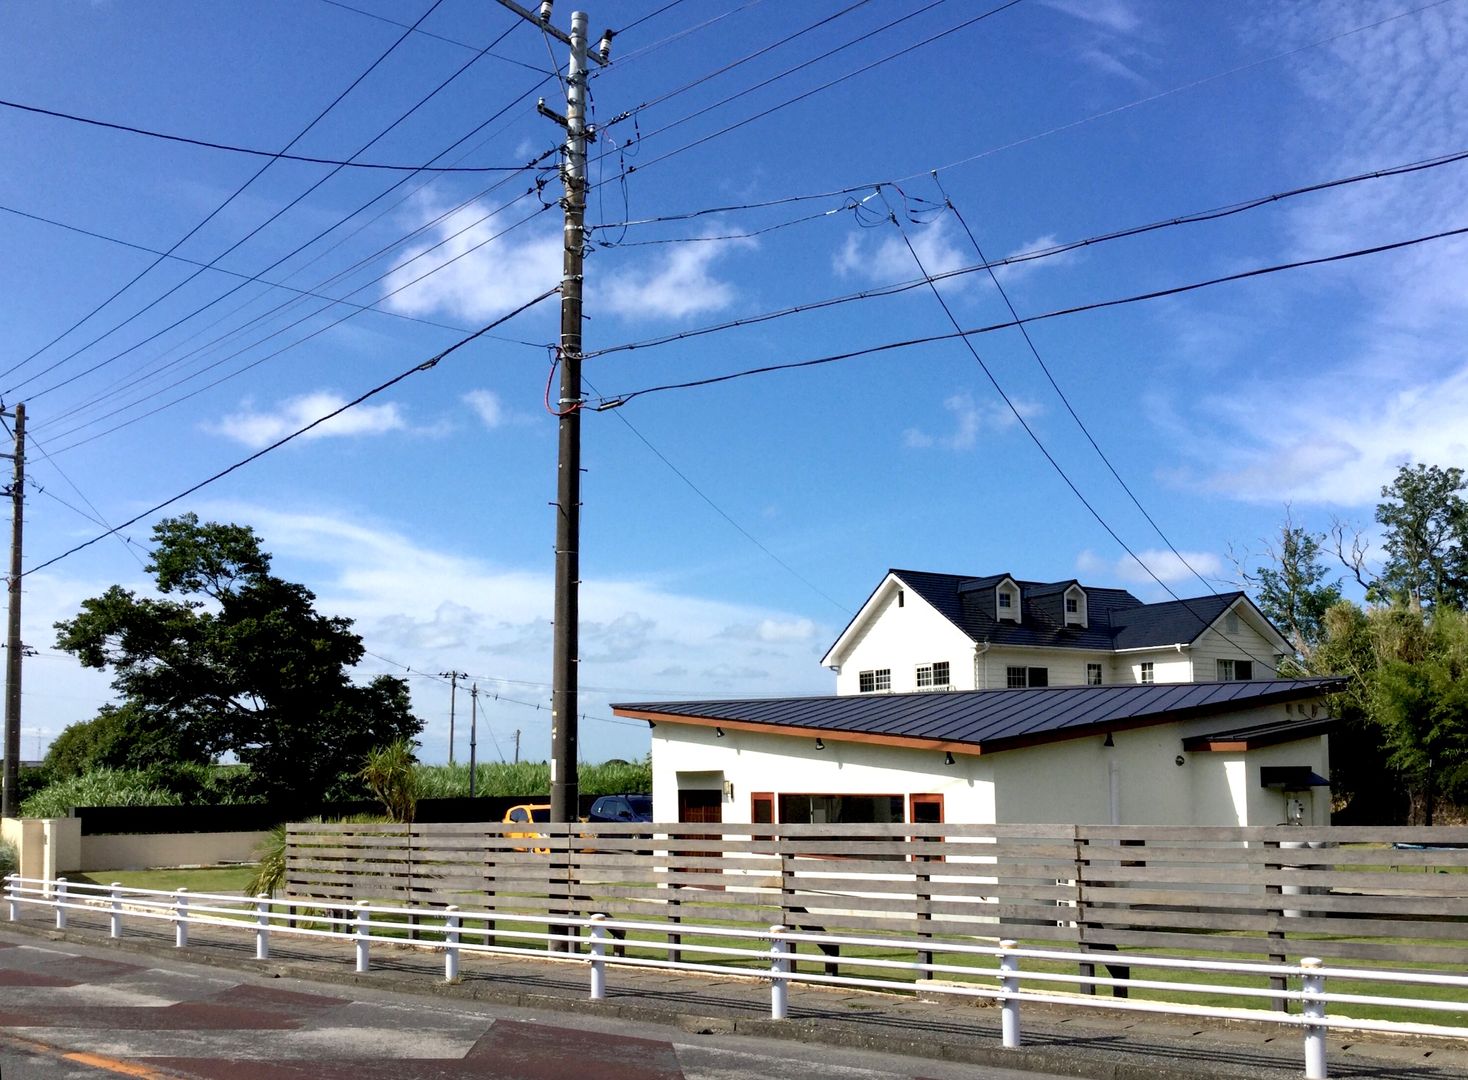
point(729, 531)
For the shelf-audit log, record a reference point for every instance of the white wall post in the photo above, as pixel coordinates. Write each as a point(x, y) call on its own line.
point(364, 943)
point(598, 957)
point(12, 891)
point(451, 946)
point(60, 903)
point(262, 926)
point(779, 968)
point(114, 920)
point(180, 917)
point(1313, 1008)
point(1009, 983)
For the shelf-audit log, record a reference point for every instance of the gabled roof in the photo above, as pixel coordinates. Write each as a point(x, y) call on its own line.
point(984, 721)
point(1115, 619)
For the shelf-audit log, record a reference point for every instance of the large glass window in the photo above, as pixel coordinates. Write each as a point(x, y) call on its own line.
point(1093, 674)
point(1027, 676)
point(870, 682)
point(843, 809)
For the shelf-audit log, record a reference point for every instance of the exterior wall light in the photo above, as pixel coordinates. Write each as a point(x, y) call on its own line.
point(820, 743)
point(948, 757)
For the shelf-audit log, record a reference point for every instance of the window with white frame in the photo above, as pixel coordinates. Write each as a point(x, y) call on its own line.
point(1006, 596)
point(931, 676)
point(871, 682)
point(1093, 674)
point(1149, 673)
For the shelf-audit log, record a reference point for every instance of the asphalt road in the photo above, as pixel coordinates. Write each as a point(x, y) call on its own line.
point(70, 1012)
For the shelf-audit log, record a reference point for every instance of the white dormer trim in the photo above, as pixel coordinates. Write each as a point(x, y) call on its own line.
point(1078, 617)
point(1008, 611)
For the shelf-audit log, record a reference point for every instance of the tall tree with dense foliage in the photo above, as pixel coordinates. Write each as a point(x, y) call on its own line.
point(232, 659)
point(1424, 520)
point(1292, 585)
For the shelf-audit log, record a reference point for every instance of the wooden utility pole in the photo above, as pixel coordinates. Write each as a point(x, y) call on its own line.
point(473, 734)
point(453, 677)
point(565, 784)
point(10, 798)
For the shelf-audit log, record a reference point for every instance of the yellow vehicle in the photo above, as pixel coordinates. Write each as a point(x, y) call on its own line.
point(528, 813)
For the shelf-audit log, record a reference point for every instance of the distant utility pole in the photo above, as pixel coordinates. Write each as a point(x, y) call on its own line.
point(453, 678)
point(565, 782)
point(517, 746)
point(14, 650)
point(473, 734)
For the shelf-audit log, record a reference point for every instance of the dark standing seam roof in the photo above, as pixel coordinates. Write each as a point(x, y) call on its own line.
point(992, 718)
point(1115, 619)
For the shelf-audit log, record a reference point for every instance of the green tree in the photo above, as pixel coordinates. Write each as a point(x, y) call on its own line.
point(232, 659)
point(1425, 522)
point(1292, 586)
point(391, 776)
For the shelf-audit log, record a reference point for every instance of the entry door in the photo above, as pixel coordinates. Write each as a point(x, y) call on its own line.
point(700, 805)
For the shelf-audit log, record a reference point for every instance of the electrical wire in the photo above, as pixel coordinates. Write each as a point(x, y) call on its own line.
point(1045, 451)
point(248, 151)
point(638, 54)
point(650, 15)
point(232, 196)
point(270, 220)
point(270, 356)
point(429, 34)
point(1070, 408)
point(1050, 251)
point(426, 365)
point(1098, 305)
point(96, 515)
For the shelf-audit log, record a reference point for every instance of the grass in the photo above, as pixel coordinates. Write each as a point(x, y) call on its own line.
point(204, 879)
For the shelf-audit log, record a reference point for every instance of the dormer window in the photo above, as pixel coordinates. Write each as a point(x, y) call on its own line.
point(1006, 600)
point(1075, 606)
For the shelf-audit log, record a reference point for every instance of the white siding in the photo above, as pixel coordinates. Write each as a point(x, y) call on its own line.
point(901, 638)
point(1066, 668)
point(1062, 782)
point(1168, 666)
point(1217, 644)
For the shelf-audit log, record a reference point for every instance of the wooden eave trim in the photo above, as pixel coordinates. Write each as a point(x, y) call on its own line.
point(907, 742)
point(1202, 745)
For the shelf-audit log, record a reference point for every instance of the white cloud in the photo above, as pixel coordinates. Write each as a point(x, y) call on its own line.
point(1016, 271)
point(887, 259)
point(678, 284)
point(1172, 568)
point(487, 406)
point(970, 419)
point(256, 429)
point(1116, 16)
point(468, 276)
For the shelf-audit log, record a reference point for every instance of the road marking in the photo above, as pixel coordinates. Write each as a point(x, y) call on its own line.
point(93, 1061)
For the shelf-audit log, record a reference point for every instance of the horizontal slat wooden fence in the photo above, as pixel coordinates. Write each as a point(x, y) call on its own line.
point(1391, 895)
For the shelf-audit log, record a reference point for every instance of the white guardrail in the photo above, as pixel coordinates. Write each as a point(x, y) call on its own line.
point(265, 916)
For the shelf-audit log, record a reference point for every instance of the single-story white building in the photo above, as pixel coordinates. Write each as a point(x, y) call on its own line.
point(1220, 754)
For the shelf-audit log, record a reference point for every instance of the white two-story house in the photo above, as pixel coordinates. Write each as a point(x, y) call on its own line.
point(925, 631)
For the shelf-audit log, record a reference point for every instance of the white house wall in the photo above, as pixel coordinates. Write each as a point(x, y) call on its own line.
point(1247, 644)
point(901, 638)
point(1058, 782)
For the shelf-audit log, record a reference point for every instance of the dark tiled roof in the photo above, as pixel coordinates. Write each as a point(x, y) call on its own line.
point(992, 719)
point(1115, 619)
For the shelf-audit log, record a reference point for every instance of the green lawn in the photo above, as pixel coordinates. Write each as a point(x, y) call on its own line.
point(204, 879)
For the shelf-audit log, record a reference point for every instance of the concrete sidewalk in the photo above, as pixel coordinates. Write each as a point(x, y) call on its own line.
point(1082, 1042)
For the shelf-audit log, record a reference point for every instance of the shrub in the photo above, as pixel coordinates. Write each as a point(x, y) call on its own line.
point(9, 860)
point(100, 787)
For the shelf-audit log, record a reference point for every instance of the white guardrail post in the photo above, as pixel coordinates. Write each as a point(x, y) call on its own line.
point(1313, 1008)
point(114, 918)
point(60, 902)
point(779, 967)
point(598, 957)
point(451, 943)
point(180, 917)
point(12, 890)
point(1009, 983)
point(364, 942)
point(262, 926)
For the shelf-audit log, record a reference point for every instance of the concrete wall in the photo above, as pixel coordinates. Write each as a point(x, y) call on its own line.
point(1136, 781)
point(51, 846)
point(143, 852)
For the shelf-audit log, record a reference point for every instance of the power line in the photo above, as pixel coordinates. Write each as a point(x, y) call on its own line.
point(95, 516)
point(429, 34)
point(271, 154)
point(269, 356)
point(232, 196)
point(426, 365)
point(622, 399)
point(638, 54)
point(1199, 217)
point(265, 224)
point(1040, 444)
point(650, 15)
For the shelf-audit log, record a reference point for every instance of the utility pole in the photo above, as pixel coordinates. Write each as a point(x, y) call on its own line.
point(10, 798)
point(517, 746)
point(453, 677)
point(565, 782)
point(473, 735)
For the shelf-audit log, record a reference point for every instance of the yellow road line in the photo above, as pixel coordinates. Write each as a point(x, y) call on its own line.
point(94, 1061)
